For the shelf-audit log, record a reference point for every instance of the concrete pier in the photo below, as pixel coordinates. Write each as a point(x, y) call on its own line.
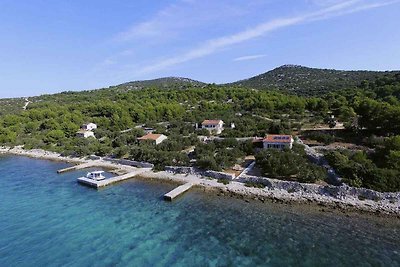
point(178, 191)
point(108, 181)
point(77, 167)
point(66, 169)
point(246, 171)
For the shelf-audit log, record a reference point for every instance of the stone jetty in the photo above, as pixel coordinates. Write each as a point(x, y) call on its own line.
point(178, 191)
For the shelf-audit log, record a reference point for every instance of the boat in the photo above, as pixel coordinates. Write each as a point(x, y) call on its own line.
point(96, 175)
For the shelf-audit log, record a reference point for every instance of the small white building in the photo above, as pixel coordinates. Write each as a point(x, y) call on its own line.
point(89, 126)
point(85, 134)
point(216, 126)
point(155, 138)
point(278, 141)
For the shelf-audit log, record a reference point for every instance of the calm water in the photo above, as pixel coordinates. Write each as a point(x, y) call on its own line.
point(48, 219)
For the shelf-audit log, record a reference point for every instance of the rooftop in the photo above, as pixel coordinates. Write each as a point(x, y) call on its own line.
point(211, 122)
point(150, 137)
point(278, 138)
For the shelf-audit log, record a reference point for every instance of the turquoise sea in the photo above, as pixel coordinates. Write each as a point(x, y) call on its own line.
point(48, 219)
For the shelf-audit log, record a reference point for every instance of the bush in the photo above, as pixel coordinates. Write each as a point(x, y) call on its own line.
point(289, 164)
point(321, 137)
point(277, 163)
point(359, 171)
point(310, 173)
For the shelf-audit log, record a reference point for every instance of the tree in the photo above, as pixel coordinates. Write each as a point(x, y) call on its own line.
point(69, 128)
point(7, 136)
point(208, 163)
point(393, 160)
point(54, 136)
point(50, 124)
point(277, 163)
point(310, 173)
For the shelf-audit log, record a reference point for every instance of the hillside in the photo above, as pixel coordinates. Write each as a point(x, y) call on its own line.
point(11, 105)
point(309, 81)
point(167, 82)
point(293, 79)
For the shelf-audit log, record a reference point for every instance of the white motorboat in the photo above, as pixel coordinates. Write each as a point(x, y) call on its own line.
point(96, 175)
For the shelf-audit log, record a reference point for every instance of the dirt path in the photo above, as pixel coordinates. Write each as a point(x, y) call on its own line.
point(27, 102)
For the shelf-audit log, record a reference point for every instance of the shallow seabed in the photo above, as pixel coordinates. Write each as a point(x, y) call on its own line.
point(48, 219)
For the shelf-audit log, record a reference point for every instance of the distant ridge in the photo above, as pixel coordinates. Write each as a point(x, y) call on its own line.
point(307, 81)
point(293, 79)
point(289, 78)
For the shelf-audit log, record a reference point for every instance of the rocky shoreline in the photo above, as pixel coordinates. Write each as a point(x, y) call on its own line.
point(336, 200)
point(39, 154)
point(240, 190)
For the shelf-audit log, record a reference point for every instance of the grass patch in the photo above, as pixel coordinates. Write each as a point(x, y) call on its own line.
point(376, 198)
point(254, 184)
point(223, 181)
point(361, 197)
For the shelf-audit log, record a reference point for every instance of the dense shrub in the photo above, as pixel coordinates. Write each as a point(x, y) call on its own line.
point(320, 137)
point(289, 164)
point(357, 169)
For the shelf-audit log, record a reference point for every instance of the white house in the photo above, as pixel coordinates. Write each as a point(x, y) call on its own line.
point(155, 138)
point(149, 130)
point(89, 126)
point(278, 141)
point(85, 134)
point(216, 126)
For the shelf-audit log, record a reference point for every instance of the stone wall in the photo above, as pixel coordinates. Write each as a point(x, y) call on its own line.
point(180, 170)
point(133, 163)
point(339, 192)
point(194, 171)
point(219, 175)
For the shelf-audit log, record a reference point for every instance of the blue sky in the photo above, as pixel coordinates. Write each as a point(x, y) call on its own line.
point(52, 46)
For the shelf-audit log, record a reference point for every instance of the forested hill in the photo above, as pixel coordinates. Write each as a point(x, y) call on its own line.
point(370, 114)
point(167, 82)
point(310, 81)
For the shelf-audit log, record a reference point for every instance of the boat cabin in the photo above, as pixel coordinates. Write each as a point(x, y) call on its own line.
point(96, 175)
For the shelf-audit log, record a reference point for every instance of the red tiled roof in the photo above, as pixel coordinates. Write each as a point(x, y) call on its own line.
point(211, 122)
point(278, 138)
point(150, 137)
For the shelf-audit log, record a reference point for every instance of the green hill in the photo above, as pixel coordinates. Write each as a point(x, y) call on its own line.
point(310, 81)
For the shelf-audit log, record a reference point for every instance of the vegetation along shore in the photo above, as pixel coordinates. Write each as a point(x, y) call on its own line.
point(249, 187)
point(261, 137)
